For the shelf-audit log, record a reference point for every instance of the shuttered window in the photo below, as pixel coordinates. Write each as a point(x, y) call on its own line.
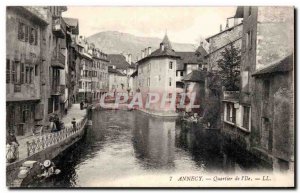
point(8, 73)
point(31, 37)
point(36, 37)
point(13, 72)
point(22, 73)
point(21, 31)
point(26, 33)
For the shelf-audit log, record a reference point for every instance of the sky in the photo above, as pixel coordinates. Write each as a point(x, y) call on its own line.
point(182, 24)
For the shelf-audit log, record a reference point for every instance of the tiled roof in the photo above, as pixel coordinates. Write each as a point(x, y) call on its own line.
point(195, 76)
point(115, 71)
point(72, 22)
point(283, 65)
point(186, 58)
point(166, 52)
point(119, 61)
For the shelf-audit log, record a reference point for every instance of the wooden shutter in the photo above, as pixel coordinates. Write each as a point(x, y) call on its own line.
point(13, 72)
point(26, 33)
point(8, 71)
point(36, 36)
point(22, 72)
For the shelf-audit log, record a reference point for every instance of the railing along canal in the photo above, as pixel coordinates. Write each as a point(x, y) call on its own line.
point(47, 140)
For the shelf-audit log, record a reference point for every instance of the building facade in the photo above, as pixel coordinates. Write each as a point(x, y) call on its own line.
point(157, 74)
point(260, 116)
point(24, 62)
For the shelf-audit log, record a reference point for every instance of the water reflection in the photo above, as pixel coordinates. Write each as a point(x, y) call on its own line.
point(125, 144)
point(154, 141)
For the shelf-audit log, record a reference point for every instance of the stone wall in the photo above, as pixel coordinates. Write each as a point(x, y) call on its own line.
point(218, 42)
point(46, 154)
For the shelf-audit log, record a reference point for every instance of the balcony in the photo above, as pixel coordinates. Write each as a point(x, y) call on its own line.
point(232, 96)
point(59, 27)
point(57, 90)
point(58, 60)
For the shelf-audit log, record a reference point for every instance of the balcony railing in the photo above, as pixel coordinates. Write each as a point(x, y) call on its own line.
point(59, 27)
point(231, 95)
point(58, 60)
point(56, 90)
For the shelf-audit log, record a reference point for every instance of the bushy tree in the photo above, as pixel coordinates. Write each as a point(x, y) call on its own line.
point(229, 66)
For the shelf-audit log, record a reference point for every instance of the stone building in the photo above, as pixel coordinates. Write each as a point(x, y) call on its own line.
point(93, 67)
point(72, 28)
point(100, 73)
point(36, 62)
point(260, 116)
point(120, 69)
point(86, 65)
point(157, 74)
point(222, 40)
point(24, 63)
point(54, 47)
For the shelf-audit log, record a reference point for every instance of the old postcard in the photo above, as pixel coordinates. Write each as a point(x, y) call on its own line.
point(150, 96)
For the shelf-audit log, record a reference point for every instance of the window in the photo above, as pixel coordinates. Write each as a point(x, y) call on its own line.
point(171, 65)
point(21, 31)
point(148, 81)
point(249, 40)
point(246, 117)
point(8, 71)
point(13, 72)
point(36, 70)
point(266, 91)
point(170, 81)
point(22, 73)
point(27, 78)
point(31, 75)
point(18, 73)
point(230, 112)
point(26, 33)
point(181, 73)
point(56, 103)
point(50, 105)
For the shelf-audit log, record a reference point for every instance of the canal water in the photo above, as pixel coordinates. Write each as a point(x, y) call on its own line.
point(129, 144)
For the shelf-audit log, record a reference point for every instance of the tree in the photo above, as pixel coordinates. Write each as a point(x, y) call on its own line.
point(229, 66)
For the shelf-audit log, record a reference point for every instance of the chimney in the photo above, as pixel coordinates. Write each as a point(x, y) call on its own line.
point(146, 52)
point(235, 21)
point(129, 59)
point(149, 50)
point(227, 25)
point(201, 43)
point(221, 28)
point(143, 54)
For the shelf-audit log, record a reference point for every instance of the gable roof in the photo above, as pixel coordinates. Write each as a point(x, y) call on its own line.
point(195, 76)
point(281, 66)
point(119, 61)
point(186, 58)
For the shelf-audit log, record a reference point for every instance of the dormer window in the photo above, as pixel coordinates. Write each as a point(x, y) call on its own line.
point(162, 47)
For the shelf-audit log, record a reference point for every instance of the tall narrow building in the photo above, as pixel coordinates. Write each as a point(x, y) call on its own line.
point(157, 74)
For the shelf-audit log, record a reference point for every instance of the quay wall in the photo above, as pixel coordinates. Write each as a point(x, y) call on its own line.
point(49, 153)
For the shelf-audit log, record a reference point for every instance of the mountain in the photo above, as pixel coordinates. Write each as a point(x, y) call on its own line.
point(114, 42)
